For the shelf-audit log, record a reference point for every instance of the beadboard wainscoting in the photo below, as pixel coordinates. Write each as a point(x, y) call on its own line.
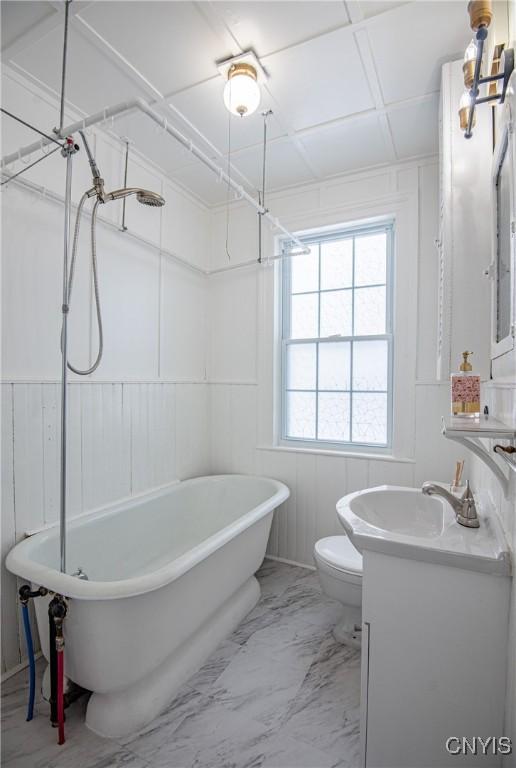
point(123, 439)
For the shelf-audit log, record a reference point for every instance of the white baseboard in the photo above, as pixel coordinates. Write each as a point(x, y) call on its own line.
point(290, 562)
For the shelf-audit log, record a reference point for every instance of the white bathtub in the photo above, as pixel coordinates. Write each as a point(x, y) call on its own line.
point(170, 575)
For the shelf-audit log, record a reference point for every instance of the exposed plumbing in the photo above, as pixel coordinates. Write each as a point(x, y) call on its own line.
point(26, 594)
point(144, 196)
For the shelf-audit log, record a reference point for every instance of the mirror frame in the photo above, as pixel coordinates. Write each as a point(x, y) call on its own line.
point(505, 138)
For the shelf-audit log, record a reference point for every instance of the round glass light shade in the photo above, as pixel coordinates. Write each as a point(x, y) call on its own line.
point(465, 100)
point(242, 94)
point(471, 52)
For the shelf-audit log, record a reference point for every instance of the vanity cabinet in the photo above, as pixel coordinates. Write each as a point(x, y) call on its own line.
point(434, 658)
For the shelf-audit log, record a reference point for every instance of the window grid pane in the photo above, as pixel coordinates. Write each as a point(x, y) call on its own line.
point(350, 400)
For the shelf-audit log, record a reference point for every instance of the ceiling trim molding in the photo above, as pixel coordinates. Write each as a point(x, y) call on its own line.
point(360, 174)
point(366, 55)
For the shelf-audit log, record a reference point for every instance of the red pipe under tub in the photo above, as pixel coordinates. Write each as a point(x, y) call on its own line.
point(60, 697)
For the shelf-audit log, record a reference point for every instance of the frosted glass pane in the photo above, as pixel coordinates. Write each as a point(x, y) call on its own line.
point(334, 365)
point(301, 415)
point(301, 366)
point(304, 272)
point(369, 418)
point(369, 311)
point(370, 259)
point(304, 316)
point(333, 421)
point(370, 365)
point(336, 311)
point(337, 264)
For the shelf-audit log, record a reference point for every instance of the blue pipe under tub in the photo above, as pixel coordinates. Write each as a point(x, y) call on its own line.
point(32, 665)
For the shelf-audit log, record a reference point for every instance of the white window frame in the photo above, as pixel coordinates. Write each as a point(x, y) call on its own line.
point(319, 236)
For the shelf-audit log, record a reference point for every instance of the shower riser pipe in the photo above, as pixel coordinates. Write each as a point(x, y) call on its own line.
point(128, 106)
point(68, 153)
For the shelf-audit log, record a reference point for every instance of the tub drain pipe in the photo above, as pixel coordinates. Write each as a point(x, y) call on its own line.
point(56, 615)
point(25, 595)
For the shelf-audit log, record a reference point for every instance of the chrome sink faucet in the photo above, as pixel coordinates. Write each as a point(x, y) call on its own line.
point(464, 507)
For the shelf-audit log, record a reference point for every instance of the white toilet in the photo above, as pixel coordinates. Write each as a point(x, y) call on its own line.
point(339, 566)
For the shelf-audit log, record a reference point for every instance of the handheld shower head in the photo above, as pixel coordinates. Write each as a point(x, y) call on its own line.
point(144, 196)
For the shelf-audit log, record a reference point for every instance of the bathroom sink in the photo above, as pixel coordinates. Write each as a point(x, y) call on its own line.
point(401, 510)
point(405, 523)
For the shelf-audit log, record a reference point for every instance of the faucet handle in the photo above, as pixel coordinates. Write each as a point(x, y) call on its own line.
point(467, 495)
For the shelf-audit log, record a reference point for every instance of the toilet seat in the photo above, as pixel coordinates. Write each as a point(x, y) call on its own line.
point(339, 558)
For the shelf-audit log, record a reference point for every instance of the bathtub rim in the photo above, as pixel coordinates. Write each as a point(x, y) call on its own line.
point(19, 563)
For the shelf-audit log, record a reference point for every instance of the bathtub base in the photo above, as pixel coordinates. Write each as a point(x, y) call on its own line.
point(124, 712)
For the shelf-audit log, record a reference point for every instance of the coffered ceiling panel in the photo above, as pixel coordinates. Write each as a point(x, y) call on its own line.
point(319, 80)
point(92, 81)
point(333, 67)
point(204, 106)
point(19, 18)
point(411, 43)
point(168, 42)
point(271, 26)
point(415, 128)
point(285, 165)
point(373, 7)
point(347, 146)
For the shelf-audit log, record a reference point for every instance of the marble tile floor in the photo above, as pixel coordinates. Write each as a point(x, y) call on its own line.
point(278, 693)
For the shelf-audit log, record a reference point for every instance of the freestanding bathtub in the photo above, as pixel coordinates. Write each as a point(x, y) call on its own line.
point(170, 575)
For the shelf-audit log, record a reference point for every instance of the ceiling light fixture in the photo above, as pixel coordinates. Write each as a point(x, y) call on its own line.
point(242, 92)
point(480, 17)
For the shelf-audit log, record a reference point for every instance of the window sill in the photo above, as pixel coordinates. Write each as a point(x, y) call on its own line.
point(340, 454)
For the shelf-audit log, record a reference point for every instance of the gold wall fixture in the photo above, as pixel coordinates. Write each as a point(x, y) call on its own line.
point(464, 118)
point(469, 73)
point(480, 14)
point(500, 71)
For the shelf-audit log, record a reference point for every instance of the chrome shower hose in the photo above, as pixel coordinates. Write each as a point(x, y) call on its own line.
point(95, 281)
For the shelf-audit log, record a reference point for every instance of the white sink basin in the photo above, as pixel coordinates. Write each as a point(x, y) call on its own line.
point(401, 510)
point(404, 522)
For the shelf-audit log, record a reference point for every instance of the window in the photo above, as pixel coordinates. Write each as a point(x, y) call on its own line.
point(337, 340)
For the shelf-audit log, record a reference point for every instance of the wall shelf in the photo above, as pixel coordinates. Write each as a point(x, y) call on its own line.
point(471, 432)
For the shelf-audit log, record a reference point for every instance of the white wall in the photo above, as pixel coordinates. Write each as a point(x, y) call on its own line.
point(241, 353)
point(142, 419)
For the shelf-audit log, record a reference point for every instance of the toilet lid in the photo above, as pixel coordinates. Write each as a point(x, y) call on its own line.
point(339, 552)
